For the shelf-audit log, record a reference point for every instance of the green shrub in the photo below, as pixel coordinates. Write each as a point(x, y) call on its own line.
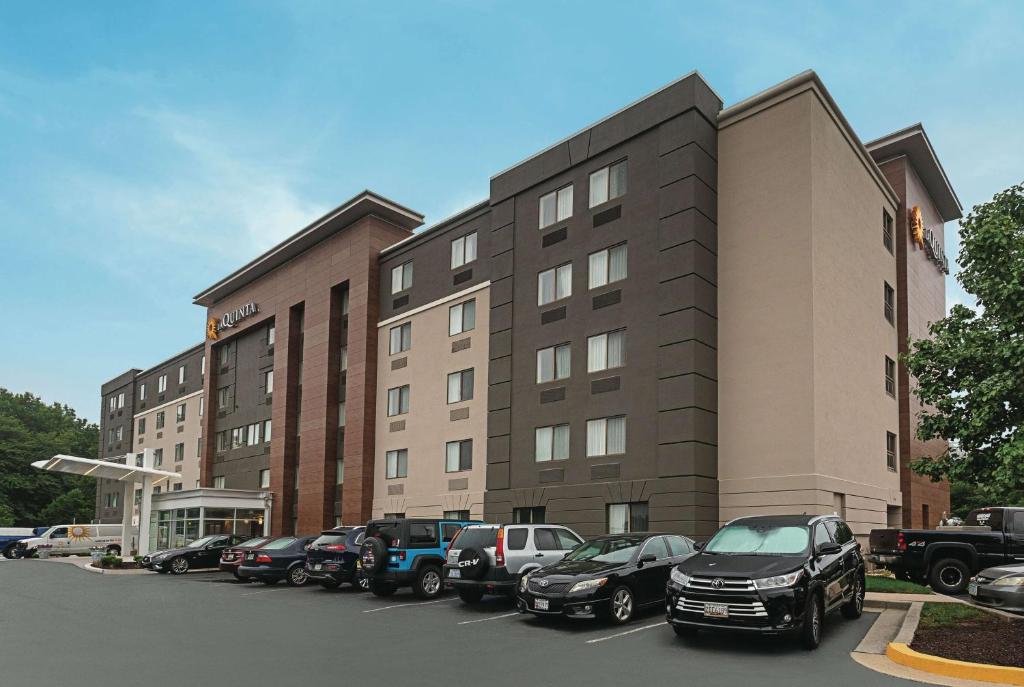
point(110, 562)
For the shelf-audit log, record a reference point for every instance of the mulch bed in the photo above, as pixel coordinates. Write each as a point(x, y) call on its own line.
point(987, 640)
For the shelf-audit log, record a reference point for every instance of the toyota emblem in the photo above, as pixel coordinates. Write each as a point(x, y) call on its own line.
point(718, 583)
point(542, 583)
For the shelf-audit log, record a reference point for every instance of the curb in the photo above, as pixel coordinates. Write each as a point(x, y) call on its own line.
point(904, 655)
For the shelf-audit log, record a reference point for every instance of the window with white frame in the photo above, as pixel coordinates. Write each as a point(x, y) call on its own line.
point(142, 391)
point(202, 404)
point(339, 471)
point(397, 463)
point(179, 452)
point(554, 284)
point(343, 354)
point(266, 431)
point(401, 338)
point(628, 517)
point(401, 277)
point(606, 351)
point(462, 317)
point(113, 403)
point(464, 250)
point(253, 434)
point(218, 482)
point(160, 420)
point(551, 443)
point(202, 366)
point(554, 362)
point(607, 183)
point(606, 436)
point(120, 400)
point(181, 374)
point(556, 206)
point(458, 455)
point(179, 413)
point(268, 381)
point(119, 433)
point(142, 425)
point(398, 400)
point(271, 334)
point(161, 384)
point(460, 386)
point(223, 397)
point(158, 457)
point(264, 479)
point(607, 266)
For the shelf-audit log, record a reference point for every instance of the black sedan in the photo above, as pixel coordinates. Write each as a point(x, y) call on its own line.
point(611, 576)
point(201, 553)
point(281, 559)
point(334, 558)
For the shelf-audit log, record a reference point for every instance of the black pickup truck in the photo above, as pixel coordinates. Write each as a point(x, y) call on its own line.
point(946, 558)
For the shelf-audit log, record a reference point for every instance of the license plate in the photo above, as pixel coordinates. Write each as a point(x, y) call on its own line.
point(716, 610)
point(540, 604)
point(251, 557)
point(359, 564)
point(318, 566)
point(972, 588)
point(454, 574)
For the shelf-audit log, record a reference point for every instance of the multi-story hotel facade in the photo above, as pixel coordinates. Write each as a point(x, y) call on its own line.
point(678, 315)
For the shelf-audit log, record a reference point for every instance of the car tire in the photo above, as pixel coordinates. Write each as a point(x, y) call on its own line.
point(814, 618)
point(113, 551)
point(853, 608)
point(381, 589)
point(621, 605)
point(330, 584)
point(179, 565)
point(10, 551)
point(949, 576)
point(685, 631)
point(470, 595)
point(373, 555)
point(297, 576)
point(473, 563)
point(429, 582)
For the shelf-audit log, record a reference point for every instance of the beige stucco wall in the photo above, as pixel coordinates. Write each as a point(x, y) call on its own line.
point(803, 412)
point(428, 425)
point(186, 433)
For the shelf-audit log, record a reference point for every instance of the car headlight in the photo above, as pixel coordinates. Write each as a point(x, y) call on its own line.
point(588, 584)
point(1012, 581)
point(679, 577)
point(778, 580)
point(522, 582)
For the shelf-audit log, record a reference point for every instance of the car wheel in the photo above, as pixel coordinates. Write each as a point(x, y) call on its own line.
point(330, 584)
point(810, 633)
point(855, 606)
point(113, 550)
point(470, 595)
point(179, 566)
point(949, 576)
point(428, 584)
point(362, 583)
point(621, 606)
point(297, 576)
point(11, 552)
point(685, 631)
point(381, 589)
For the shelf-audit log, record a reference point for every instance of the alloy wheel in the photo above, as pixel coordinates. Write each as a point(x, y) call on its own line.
point(179, 566)
point(363, 582)
point(816, 621)
point(431, 582)
point(299, 576)
point(622, 605)
point(859, 595)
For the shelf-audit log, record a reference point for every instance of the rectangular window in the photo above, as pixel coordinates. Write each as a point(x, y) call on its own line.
point(464, 250)
point(341, 414)
point(113, 403)
point(264, 479)
point(606, 436)
point(607, 183)
point(551, 443)
point(222, 354)
point(401, 339)
point(179, 453)
point(401, 277)
point(397, 463)
point(202, 405)
point(890, 376)
point(253, 434)
point(268, 381)
point(218, 482)
point(120, 432)
point(160, 420)
point(887, 240)
point(554, 284)
point(606, 351)
point(271, 335)
point(890, 451)
point(238, 437)
point(462, 317)
point(890, 304)
point(554, 363)
point(556, 206)
point(398, 400)
point(142, 392)
point(458, 456)
point(181, 375)
point(266, 431)
point(179, 413)
point(161, 384)
point(199, 447)
point(177, 486)
point(459, 515)
point(158, 457)
point(460, 386)
point(202, 366)
point(627, 517)
point(529, 515)
point(223, 397)
point(339, 471)
point(222, 440)
point(607, 266)
point(142, 425)
point(120, 400)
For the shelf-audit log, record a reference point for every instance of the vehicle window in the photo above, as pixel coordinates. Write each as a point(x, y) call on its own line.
point(253, 542)
point(567, 541)
point(479, 537)
point(389, 532)
point(201, 542)
point(422, 534)
point(359, 538)
point(282, 543)
point(59, 533)
point(544, 540)
point(986, 517)
point(821, 535)
point(325, 540)
point(1018, 522)
point(655, 545)
point(840, 532)
point(610, 550)
point(764, 540)
point(515, 537)
point(449, 530)
point(677, 546)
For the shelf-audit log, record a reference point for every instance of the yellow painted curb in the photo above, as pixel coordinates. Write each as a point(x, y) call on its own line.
point(904, 655)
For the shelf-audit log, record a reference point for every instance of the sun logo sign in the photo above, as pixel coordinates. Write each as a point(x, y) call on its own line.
point(79, 533)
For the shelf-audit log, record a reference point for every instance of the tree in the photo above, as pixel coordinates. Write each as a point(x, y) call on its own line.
point(970, 373)
point(31, 430)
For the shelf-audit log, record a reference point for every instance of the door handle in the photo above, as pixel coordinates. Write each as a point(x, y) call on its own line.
point(539, 555)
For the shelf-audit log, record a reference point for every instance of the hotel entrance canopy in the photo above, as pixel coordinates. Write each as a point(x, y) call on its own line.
point(101, 469)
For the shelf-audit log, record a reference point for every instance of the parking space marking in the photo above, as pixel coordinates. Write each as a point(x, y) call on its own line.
point(415, 603)
point(493, 617)
point(627, 632)
point(265, 591)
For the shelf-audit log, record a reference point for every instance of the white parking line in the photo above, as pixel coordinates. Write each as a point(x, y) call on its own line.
point(416, 603)
point(265, 591)
point(493, 617)
point(627, 632)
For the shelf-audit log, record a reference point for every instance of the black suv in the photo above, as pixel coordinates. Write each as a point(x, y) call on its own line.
point(407, 552)
point(769, 574)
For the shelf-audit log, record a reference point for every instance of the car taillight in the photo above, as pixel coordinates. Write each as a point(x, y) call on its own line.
point(401, 555)
point(263, 558)
point(499, 548)
point(901, 542)
point(335, 547)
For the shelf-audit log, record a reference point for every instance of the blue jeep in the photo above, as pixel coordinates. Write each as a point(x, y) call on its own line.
point(408, 552)
point(10, 536)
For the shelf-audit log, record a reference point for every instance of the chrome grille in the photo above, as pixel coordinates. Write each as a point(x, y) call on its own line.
point(553, 588)
point(752, 609)
point(707, 584)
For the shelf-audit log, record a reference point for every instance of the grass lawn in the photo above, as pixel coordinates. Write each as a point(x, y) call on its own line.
point(874, 583)
point(942, 615)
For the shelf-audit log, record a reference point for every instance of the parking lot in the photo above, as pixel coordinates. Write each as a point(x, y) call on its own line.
point(60, 624)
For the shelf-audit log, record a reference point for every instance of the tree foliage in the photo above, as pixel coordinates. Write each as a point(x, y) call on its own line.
point(31, 430)
point(970, 373)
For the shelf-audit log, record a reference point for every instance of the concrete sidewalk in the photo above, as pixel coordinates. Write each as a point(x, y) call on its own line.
point(85, 563)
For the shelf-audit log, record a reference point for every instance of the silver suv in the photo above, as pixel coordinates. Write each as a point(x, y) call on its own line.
point(490, 559)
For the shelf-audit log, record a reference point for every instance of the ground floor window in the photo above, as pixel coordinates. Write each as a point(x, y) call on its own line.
point(177, 527)
point(532, 515)
point(456, 515)
point(627, 517)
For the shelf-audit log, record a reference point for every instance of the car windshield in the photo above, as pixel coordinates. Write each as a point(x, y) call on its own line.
point(282, 543)
point(760, 540)
point(619, 550)
point(200, 543)
point(253, 542)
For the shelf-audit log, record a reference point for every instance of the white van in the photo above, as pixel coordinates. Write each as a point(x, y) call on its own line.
point(63, 540)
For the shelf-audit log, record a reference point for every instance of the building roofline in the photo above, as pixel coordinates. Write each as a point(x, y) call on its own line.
point(152, 368)
point(445, 223)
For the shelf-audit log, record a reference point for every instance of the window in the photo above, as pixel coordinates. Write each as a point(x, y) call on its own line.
point(566, 539)
point(656, 547)
point(202, 366)
point(551, 443)
point(142, 392)
point(218, 482)
point(606, 436)
point(890, 304)
point(202, 405)
point(553, 363)
point(222, 440)
point(238, 436)
point(222, 355)
point(556, 206)
point(343, 355)
point(268, 381)
point(339, 471)
point(887, 231)
point(179, 453)
point(607, 183)
point(113, 403)
point(398, 400)
point(223, 397)
point(544, 540)
point(529, 515)
point(422, 534)
point(341, 414)
point(460, 386)
point(253, 434)
point(158, 457)
point(160, 420)
point(606, 351)
point(156, 490)
point(177, 486)
point(401, 339)
point(677, 546)
point(462, 317)
point(463, 250)
point(120, 400)
point(266, 431)
point(458, 456)
point(456, 515)
point(890, 451)
point(111, 500)
point(890, 376)
point(179, 413)
point(449, 530)
point(607, 266)
point(199, 447)
point(264, 479)
point(397, 463)
point(142, 425)
point(271, 334)
point(181, 375)
point(554, 284)
point(821, 535)
point(627, 517)
point(515, 538)
point(119, 433)
point(401, 277)
point(161, 384)
point(840, 531)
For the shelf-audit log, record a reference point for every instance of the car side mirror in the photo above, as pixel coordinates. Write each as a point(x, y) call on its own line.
point(698, 546)
point(828, 548)
point(647, 558)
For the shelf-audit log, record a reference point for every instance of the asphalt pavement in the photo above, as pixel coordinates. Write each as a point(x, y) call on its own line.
point(62, 625)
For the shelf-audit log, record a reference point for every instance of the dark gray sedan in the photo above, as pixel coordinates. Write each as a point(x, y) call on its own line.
point(1001, 587)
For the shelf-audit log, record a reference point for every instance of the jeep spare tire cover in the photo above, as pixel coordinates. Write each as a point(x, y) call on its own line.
point(472, 563)
point(373, 555)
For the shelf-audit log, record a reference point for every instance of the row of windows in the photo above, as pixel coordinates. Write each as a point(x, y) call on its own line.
point(179, 453)
point(605, 267)
point(605, 351)
point(460, 388)
point(179, 416)
point(246, 435)
point(606, 436)
point(606, 184)
point(458, 457)
point(461, 319)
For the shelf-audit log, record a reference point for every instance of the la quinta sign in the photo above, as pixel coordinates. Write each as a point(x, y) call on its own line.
point(926, 239)
point(230, 320)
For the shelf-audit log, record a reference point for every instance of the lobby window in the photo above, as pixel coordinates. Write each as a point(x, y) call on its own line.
point(607, 183)
point(460, 386)
point(264, 479)
point(887, 231)
point(401, 338)
point(464, 250)
point(529, 515)
point(397, 463)
point(607, 266)
point(142, 425)
point(554, 284)
point(120, 400)
point(179, 453)
point(223, 397)
point(398, 400)
point(266, 431)
point(268, 381)
point(554, 363)
point(606, 436)
point(142, 391)
point(161, 384)
point(160, 420)
point(179, 413)
point(339, 471)
point(890, 451)
point(890, 376)
point(606, 351)
point(458, 456)
point(628, 517)
point(556, 206)
point(462, 317)
point(551, 443)
point(890, 304)
point(401, 277)
point(218, 482)
point(181, 375)
point(158, 457)
point(271, 334)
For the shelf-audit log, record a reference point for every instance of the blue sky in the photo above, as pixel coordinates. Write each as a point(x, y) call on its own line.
point(147, 149)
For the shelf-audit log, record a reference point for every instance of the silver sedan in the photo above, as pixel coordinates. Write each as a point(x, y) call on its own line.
point(1001, 587)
